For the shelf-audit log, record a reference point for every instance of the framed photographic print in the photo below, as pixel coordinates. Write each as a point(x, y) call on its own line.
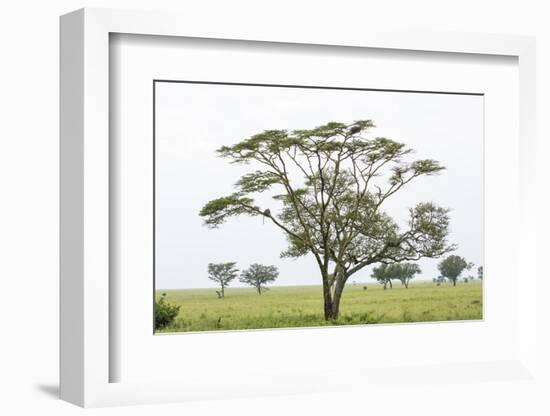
point(302, 202)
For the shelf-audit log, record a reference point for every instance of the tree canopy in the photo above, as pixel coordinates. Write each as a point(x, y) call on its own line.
point(222, 273)
point(403, 272)
point(329, 184)
point(381, 274)
point(451, 267)
point(258, 275)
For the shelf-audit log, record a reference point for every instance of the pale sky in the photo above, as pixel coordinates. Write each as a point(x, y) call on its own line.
point(193, 120)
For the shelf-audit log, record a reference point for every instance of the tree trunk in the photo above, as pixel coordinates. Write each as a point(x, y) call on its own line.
point(332, 293)
point(223, 294)
point(406, 283)
point(391, 285)
point(339, 288)
point(454, 282)
point(327, 299)
point(259, 288)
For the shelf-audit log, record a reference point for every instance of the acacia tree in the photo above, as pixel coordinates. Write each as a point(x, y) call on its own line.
point(382, 275)
point(222, 273)
point(258, 275)
point(406, 271)
point(403, 272)
point(331, 183)
point(451, 267)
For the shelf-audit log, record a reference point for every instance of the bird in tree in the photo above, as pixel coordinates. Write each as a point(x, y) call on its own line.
point(222, 273)
point(258, 275)
point(331, 183)
point(451, 267)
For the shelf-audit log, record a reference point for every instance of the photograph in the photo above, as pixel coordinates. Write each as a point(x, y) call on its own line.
point(293, 206)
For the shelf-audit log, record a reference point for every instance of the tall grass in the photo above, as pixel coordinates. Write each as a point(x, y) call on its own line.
point(302, 306)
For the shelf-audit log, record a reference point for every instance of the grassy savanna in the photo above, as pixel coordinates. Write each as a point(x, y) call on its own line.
point(302, 306)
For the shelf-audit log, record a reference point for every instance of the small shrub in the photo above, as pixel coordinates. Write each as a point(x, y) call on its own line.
point(165, 313)
point(348, 318)
point(407, 317)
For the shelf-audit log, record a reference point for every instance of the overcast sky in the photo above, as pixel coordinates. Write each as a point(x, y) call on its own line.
point(193, 120)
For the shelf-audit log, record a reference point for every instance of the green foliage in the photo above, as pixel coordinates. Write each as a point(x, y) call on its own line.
point(381, 273)
point(257, 182)
point(258, 275)
point(403, 272)
point(218, 210)
point(302, 306)
point(451, 267)
point(337, 196)
point(406, 271)
point(222, 273)
point(165, 313)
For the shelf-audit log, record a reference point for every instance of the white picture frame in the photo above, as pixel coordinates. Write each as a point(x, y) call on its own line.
point(85, 203)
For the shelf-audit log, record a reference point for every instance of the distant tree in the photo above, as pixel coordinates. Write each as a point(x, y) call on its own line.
point(258, 275)
point(403, 272)
point(480, 272)
point(451, 267)
point(381, 274)
point(165, 313)
point(222, 273)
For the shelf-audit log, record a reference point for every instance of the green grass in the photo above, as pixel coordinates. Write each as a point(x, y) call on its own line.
point(299, 306)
